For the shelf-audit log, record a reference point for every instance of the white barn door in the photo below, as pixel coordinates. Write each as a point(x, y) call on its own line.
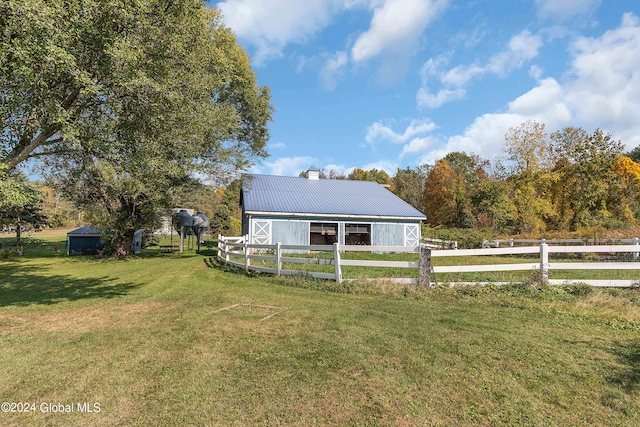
point(261, 232)
point(412, 235)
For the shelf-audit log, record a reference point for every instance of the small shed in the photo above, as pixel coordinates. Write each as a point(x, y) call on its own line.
point(314, 211)
point(86, 241)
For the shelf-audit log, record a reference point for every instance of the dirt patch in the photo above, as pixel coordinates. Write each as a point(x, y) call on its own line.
point(85, 319)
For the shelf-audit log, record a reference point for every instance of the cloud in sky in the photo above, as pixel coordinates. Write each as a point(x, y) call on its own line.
point(379, 132)
point(287, 166)
point(557, 69)
point(563, 9)
point(602, 91)
point(393, 26)
point(271, 25)
point(521, 48)
point(332, 69)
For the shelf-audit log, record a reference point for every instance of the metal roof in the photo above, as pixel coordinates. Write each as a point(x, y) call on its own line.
point(294, 195)
point(87, 230)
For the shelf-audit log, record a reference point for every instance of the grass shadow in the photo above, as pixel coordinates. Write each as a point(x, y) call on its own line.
point(19, 287)
point(628, 376)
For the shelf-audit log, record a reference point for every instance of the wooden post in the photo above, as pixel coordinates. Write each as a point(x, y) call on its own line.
point(246, 256)
point(544, 262)
point(425, 267)
point(219, 247)
point(278, 260)
point(636, 241)
point(336, 260)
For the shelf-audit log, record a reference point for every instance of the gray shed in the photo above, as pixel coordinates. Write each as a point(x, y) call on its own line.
point(313, 211)
point(86, 241)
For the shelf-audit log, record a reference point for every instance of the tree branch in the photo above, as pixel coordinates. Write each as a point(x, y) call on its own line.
point(23, 152)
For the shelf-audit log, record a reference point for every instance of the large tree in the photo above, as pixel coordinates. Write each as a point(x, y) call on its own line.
point(586, 163)
point(125, 100)
point(408, 184)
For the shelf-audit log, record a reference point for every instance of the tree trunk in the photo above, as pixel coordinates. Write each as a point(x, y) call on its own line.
point(122, 248)
point(18, 237)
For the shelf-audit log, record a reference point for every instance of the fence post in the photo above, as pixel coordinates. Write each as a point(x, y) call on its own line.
point(278, 260)
point(336, 260)
point(425, 267)
point(544, 262)
point(636, 241)
point(246, 256)
point(219, 247)
point(226, 251)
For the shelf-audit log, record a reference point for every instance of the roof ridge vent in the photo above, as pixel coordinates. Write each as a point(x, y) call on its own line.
point(313, 173)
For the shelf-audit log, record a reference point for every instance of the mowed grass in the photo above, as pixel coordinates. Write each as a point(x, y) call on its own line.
point(146, 339)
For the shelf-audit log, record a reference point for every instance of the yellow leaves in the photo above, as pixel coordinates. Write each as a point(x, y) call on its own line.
point(627, 168)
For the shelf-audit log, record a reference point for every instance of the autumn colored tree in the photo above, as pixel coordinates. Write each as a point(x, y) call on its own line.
point(528, 160)
point(439, 195)
point(629, 172)
point(527, 148)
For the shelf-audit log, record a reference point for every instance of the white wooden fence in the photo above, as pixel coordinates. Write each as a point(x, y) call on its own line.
point(518, 242)
point(238, 252)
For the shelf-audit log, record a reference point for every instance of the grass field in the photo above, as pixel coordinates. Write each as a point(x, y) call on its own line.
point(164, 340)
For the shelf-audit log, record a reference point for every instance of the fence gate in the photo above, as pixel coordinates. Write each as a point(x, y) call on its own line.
point(261, 233)
point(411, 235)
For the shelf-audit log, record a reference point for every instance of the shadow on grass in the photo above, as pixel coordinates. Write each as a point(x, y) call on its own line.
point(628, 376)
point(22, 288)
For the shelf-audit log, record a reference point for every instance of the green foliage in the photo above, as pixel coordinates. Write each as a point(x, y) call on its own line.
point(133, 98)
point(221, 221)
point(634, 154)
point(374, 175)
point(467, 238)
point(408, 184)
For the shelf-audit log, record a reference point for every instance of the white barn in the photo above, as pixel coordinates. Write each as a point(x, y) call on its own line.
point(313, 211)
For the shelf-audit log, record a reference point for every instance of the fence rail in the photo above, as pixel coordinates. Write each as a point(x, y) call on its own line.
point(238, 252)
point(517, 242)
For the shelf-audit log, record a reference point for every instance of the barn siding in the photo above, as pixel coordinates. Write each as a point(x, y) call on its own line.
point(290, 232)
point(387, 234)
point(295, 231)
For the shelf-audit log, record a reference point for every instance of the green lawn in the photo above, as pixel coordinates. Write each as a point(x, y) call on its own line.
point(145, 339)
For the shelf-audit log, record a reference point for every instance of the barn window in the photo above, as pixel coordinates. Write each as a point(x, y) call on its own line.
point(323, 233)
point(357, 234)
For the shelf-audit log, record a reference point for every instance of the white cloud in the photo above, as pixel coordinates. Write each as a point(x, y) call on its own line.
point(602, 91)
point(605, 90)
point(521, 48)
point(287, 166)
point(270, 26)
point(431, 100)
point(379, 132)
point(395, 23)
point(332, 69)
point(385, 165)
point(277, 146)
point(418, 145)
point(564, 9)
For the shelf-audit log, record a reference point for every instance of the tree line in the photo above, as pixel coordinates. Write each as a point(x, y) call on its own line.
point(564, 181)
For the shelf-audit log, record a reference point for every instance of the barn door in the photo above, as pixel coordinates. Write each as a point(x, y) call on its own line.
point(261, 233)
point(411, 235)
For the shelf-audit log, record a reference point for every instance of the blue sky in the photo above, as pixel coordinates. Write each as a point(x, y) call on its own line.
point(397, 83)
